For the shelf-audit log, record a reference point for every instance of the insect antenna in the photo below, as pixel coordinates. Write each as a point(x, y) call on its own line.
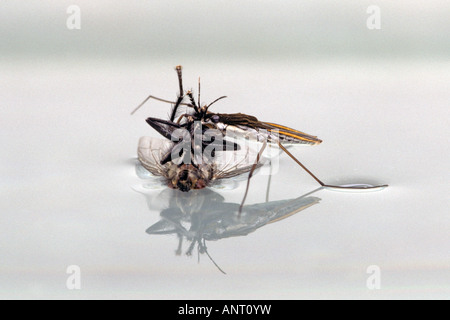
point(250, 176)
point(209, 105)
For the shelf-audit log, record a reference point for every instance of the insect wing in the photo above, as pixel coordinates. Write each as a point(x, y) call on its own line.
point(235, 164)
point(151, 151)
point(272, 133)
point(289, 135)
point(239, 125)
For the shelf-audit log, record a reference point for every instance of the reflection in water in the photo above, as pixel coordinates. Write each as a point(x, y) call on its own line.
point(203, 215)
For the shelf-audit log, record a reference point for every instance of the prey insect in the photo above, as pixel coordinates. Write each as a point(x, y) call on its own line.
point(184, 176)
point(235, 125)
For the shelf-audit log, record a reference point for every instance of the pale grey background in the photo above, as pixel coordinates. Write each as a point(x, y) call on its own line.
point(378, 98)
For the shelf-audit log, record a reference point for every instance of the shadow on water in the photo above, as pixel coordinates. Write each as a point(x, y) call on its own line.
point(203, 215)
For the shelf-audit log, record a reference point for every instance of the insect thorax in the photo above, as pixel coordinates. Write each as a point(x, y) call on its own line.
point(186, 177)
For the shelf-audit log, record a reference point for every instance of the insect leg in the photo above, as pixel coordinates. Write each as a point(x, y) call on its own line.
point(184, 115)
point(204, 249)
point(250, 176)
point(176, 103)
point(164, 127)
point(159, 99)
point(180, 95)
point(180, 79)
point(180, 244)
point(191, 97)
point(219, 143)
point(191, 247)
point(348, 187)
point(269, 181)
point(300, 164)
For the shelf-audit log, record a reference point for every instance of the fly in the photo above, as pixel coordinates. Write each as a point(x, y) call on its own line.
point(179, 174)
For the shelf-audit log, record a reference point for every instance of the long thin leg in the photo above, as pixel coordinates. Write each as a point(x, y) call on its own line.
point(268, 182)
point(179, 99)
point(159, 99)
point(250, 176)
point(348, 187)
point(180, 79)
point(300, 164)
point(175, 108)
point(210, 258)
point(180, 95)
point(180, 244)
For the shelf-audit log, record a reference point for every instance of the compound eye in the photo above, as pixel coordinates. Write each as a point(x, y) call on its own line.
point(215, 118)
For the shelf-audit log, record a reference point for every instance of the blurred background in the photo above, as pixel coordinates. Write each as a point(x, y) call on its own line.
point(221, 31)
point(372, 79)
